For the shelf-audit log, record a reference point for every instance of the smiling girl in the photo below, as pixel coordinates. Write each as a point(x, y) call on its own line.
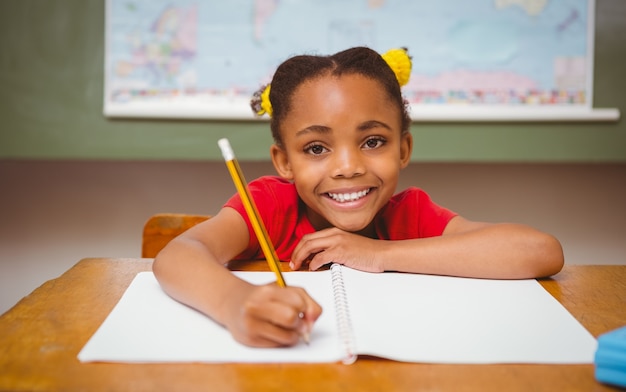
point(341, 137)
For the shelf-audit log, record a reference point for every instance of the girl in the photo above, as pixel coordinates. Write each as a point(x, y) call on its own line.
point(341, 133)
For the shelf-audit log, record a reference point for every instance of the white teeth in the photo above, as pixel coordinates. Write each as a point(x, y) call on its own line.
point(345, 197)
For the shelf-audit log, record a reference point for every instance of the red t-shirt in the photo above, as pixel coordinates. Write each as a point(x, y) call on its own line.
point(409, 214)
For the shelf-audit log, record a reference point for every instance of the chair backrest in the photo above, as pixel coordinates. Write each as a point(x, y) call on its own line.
point(162, 228)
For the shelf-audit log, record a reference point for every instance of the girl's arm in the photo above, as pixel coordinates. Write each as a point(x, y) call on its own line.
point(466, 248)
point(191, 270)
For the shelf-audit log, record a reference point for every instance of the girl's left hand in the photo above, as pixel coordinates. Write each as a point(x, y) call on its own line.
point(338, 246)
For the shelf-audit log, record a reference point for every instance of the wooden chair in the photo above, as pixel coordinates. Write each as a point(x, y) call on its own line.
point(162, 228)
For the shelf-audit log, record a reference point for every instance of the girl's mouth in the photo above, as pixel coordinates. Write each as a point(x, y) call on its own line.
point(348, 197)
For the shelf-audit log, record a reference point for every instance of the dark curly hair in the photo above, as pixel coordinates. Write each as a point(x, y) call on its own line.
point(299, 69)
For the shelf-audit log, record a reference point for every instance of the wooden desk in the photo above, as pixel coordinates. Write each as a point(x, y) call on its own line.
point(41, 336)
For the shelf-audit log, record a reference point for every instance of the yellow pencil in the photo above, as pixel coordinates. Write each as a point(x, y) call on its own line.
point(255, 217)
point(251, 210)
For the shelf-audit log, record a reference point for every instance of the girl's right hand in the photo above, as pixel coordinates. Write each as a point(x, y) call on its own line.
point(271, 316)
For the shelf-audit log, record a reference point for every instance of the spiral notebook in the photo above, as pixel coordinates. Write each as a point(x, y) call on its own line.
point(402, 317)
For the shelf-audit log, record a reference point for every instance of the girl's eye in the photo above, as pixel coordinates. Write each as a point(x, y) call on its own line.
point(315, 149)
point(374, 142)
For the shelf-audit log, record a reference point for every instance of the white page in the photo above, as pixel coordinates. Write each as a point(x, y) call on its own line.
point(149, 326)
point(405, 317)
point(437, 319)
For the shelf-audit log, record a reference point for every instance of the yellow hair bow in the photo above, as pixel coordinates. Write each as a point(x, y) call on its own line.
point(400, 62)
point(263, 104)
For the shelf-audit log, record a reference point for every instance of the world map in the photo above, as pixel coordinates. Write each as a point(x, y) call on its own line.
point(494, 52)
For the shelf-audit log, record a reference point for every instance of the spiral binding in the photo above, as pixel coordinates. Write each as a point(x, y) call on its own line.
point(342, 312)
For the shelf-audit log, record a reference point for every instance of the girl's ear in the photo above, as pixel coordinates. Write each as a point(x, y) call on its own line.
point(281, 162)
point(406, 148)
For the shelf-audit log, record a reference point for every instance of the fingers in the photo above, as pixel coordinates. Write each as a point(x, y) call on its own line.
point(274, 316)
point(310, 249)
point(338, 246)
point(310, 314)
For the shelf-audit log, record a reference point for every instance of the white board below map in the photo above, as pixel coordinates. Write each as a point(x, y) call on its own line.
point(502, 60)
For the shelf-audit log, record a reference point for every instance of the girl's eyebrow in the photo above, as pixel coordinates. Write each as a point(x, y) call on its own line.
point(373, 124)
point(325, 130)
point(313, 128)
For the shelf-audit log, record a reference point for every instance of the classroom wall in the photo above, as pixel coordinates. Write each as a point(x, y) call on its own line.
point(51, 73)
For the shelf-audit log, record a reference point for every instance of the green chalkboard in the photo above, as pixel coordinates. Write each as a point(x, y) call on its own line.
point(51, 100)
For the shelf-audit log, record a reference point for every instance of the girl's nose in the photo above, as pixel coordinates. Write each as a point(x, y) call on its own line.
point(347, 163)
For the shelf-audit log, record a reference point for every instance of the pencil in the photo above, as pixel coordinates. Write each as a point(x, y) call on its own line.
point(255, 218)
point(251, 210)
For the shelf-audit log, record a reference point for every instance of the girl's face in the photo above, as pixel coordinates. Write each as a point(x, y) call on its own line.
point(343, 149)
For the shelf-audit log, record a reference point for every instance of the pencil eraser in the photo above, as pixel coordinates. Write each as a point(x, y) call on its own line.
point(227, 150)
